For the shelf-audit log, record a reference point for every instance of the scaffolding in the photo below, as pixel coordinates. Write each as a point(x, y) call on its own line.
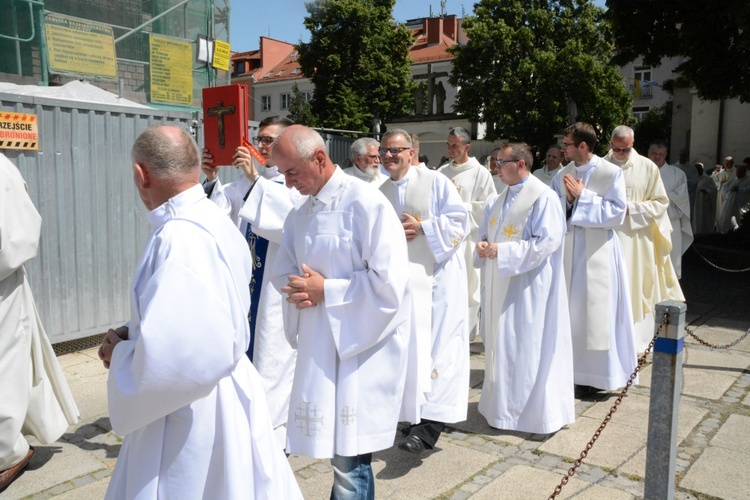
point(25, 50)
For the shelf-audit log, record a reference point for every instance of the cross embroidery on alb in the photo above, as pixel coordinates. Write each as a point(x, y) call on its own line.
point(348, 415)
point(510, 231)
point(307, 416)
point(493, 221)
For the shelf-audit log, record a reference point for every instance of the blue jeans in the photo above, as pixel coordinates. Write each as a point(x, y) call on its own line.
point(353, 478)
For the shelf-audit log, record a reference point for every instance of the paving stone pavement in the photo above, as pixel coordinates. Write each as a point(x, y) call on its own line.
point(472, 460)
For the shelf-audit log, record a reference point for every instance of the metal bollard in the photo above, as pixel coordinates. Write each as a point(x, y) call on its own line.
point(664, 407)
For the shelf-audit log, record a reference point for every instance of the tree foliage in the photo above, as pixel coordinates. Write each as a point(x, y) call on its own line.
point(712, 35)
point(358, 60)
point(300, 109)
point(657, 124)
point(527, 60)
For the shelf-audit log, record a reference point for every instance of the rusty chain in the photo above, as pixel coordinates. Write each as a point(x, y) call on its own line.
point(714, 346)
point(608, 417)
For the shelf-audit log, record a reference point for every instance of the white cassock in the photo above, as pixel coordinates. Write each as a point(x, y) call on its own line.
point(528, 377)
point(352, 347)
point(601, 316)
point(438, 280)
point(730, 205)
point(721, 178)
point(692, 176)
point(181, 390)
point(265, 208)
point(704, 209)
point(646, 241)
point(678, 211)
point(475, 186)
point(545, 175)
point(35, 398)
point(376, 181)
point(743, 195)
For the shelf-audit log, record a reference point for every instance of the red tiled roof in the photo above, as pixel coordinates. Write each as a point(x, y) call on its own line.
point(287, 69)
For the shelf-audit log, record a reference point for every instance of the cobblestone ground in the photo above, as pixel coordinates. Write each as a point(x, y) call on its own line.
point(474, 461)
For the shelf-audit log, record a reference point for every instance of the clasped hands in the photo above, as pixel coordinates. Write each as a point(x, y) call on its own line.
point(306, 290)
point(573, 186)
point(486, 250)
point(111, 339)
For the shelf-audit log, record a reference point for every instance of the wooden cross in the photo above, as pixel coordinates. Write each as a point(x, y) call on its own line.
point(219, 111)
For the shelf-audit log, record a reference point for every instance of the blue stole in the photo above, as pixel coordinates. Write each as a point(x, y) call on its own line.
point(258, 248)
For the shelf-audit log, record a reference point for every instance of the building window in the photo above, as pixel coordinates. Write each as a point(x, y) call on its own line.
point(639, 112)
point(641, 87)
point(308, 96)
point(239, 68)
point(265, 103)
point(285, 100)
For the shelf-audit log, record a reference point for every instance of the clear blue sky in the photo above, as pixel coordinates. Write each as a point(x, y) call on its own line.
point(283, 19)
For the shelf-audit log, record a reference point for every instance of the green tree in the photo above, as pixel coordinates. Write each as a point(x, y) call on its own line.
point(657, 124)
point(711, 35)
point(527, 61)
point(300, 110)
point(358, 60)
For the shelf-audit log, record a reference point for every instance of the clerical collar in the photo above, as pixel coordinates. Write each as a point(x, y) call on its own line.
point(329, 190)
point(586, 166)
point(462, 166)
point(270, 172)
point(519, 185)
point(176, 204)
point(409, 174)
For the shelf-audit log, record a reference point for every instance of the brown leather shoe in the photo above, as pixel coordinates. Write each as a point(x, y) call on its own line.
point(9, 475)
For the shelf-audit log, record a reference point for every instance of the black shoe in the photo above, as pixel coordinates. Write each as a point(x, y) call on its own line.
point(585, 391)
point(413, 444)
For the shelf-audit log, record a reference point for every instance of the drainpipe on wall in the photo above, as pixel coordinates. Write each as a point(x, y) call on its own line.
point(720, 136)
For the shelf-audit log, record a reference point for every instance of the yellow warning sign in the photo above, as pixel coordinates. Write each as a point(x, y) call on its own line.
point(171, 70)
point(80, 46)
point(222, 52)
point(18, 131)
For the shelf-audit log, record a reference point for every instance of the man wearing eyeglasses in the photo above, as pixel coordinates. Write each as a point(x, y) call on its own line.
point(435, 221)
point(475, 186)
point(678, 211)
point(592, 192)
point(528, 376)
point(258, 204)
point(364, 155)
point(645, 234)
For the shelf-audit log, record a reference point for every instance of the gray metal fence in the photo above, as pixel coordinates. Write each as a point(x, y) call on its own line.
point(93, 221)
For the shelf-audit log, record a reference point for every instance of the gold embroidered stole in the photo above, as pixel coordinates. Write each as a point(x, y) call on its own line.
point(509, 229)
point(597, 263)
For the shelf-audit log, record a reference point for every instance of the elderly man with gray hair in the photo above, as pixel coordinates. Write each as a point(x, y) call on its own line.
point(645, 235)
point(366, 161)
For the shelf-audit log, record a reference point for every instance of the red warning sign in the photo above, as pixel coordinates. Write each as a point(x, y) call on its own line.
point(18, 131)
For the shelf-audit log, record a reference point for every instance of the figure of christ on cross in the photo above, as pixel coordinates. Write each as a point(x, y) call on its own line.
point(219, 111)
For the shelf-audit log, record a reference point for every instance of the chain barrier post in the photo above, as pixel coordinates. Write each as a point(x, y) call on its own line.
point(664, 407)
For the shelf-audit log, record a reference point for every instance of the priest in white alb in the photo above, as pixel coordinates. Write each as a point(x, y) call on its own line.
point(475, 186)
point(645, 235)
point(528, 375)
point(258, 203)
point(35, 398)
point(704, 209)
point(344, 268)
point(678, 211)
point(435, 221)
point(181, 390)
point(592, 193)
point(548, 172)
